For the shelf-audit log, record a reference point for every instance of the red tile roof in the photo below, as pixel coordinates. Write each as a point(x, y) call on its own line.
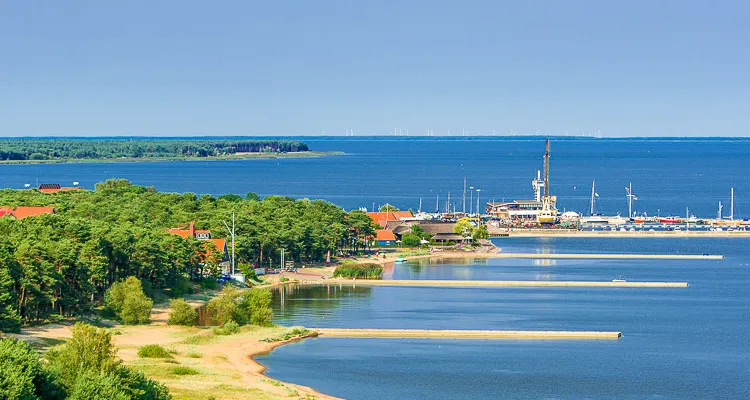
point(22, 212)
point(54, 188)
point(189, 232)
point(220, 244)
point(180, 232)
point(382, 218)
point(384, 234)
point(402, 214)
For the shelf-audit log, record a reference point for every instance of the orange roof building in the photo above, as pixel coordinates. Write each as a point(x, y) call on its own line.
point(201, 234)
point(22, 212)
point(382, 218)
point(54, 188)
point(385, 237)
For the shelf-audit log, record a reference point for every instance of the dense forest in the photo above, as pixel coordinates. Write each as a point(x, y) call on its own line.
point(66, 149)
point(61, 263)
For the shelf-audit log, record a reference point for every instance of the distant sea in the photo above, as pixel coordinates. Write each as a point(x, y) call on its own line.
point(668, 174)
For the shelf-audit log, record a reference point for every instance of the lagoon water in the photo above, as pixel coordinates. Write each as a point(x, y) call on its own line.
point(676, 344)
point(668, 175)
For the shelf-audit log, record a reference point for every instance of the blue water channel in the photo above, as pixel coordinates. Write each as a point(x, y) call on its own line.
point(677, 343)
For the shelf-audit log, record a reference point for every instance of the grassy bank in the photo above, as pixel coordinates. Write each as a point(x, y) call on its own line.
point(195, 363)
point(360, 271)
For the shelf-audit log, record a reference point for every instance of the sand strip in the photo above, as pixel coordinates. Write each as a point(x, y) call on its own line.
point(610, 256)
point(467, 283)
point(463, 334)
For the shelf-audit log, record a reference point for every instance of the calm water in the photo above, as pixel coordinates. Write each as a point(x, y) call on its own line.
point(677, 344)
point(667, 175)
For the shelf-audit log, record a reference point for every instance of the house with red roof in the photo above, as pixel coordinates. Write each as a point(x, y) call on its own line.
point(383, 218)
point(22, 212)
point(203, 235)
point(385, 237)
point(55, 187)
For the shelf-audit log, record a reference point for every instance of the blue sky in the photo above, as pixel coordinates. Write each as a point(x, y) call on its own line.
point(175, 68)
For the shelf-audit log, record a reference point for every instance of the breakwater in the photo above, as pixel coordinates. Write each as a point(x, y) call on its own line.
point(611, 256)
point(463, 334)
point(468, 283)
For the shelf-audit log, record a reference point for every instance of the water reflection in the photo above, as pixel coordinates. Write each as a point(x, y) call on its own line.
point(316, 300)
point(544, 262)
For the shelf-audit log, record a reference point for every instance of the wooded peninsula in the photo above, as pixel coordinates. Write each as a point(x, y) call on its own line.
point(61, 263)
point(79, 150)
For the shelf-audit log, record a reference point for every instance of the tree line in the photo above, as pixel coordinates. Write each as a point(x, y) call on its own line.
point(62, 264)
point(61, 149)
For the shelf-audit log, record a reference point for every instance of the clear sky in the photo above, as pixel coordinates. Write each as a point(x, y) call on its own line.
point(183, 67)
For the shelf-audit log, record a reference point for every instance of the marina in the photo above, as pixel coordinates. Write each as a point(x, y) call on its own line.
point(541, 216)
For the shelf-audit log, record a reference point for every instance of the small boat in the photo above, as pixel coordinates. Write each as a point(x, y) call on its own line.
point(619, 280)
point(669, 220)
point(400, 260)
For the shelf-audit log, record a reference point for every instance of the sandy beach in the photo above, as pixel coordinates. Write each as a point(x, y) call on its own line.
point(226, 366)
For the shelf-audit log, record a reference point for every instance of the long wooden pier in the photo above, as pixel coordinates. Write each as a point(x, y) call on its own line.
point(469, 283)
point(463, 334)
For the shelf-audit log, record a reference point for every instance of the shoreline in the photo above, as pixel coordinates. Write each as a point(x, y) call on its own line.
point(234, 353)
point(256, 368)
point(251, 156)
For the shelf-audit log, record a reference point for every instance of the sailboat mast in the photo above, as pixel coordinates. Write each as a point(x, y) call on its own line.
point(630, 200)
point(593, 193)
point(546, 169)
point(464, 197)
point(731, 210)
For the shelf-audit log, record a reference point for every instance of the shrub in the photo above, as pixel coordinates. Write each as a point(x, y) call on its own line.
point(22, 376)
point(96, 386)
point(362, 271)
point(248, 271)
point(141, 388)
point(137, 309)
point(223, 307)
point(410, 240)
point(248, 306)
point(291, 334)
point(258, 303)
point(183, 370)
point(182, 313)
point(128, 301)
point(89, 349)
point(194, 354)
point(229, 328)
point(207, 283)
point(89, 369)
point(180, 287)
point(153, 351)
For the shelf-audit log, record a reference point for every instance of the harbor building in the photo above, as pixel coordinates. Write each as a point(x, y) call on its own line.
point(541, 210)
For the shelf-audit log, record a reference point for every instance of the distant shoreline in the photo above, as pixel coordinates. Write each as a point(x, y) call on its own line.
point(247, 156)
